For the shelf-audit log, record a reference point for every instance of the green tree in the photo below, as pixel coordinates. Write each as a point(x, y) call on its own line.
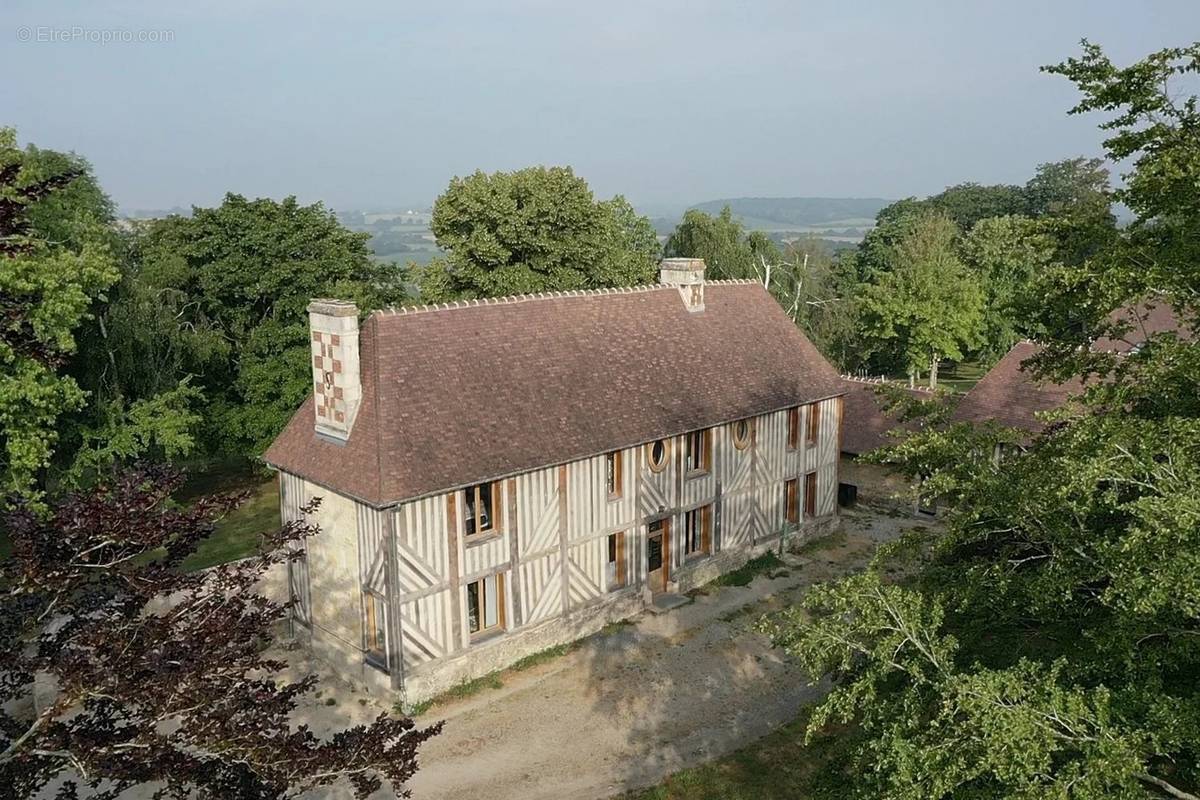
point(533, 230)
point(231, 285)
point(965, 203)
point(1046, 642)
point(1006, 254)
point(925, 305)
point(728, 251)
point(47, 289)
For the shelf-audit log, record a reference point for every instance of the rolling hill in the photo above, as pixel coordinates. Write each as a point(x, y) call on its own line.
point(797, 213)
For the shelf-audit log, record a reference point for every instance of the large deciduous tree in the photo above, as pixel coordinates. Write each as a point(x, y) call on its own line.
point(925, 304)
point(727, 249)
point(152, 675)
point(222, 294)
point(532, 230)
point(1047, 642)
point(1006, 255)
point(47, 288)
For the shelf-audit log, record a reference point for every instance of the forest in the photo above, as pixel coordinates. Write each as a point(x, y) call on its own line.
point(1043, 642)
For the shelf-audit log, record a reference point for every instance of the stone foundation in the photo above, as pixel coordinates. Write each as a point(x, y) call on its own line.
point(488, 655)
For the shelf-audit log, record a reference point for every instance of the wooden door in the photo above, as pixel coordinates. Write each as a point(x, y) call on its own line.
point(658, 550)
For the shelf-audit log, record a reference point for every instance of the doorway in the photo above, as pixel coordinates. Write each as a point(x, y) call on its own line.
point(658, 549)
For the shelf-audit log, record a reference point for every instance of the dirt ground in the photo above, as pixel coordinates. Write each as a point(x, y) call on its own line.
point(633, 705)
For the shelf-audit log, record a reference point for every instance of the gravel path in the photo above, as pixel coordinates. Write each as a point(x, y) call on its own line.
point(632, 706)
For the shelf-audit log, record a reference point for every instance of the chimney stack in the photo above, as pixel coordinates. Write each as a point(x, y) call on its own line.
point(686, 274)
point(335, 366)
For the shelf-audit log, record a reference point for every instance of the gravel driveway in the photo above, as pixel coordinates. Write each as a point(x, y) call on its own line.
point(633, 705)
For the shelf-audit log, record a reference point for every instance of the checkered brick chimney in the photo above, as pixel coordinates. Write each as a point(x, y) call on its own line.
point(687, 274)
point(335, 366)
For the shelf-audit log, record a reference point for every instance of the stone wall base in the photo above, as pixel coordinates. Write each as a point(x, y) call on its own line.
point(489, 655)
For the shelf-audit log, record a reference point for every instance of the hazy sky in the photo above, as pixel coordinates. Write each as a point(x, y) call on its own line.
point(378, 104)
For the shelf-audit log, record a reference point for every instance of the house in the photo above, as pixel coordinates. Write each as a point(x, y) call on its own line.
point(501, 476)
point(867, 428)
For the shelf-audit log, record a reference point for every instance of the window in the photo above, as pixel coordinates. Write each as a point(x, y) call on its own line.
point(793, 428)
point(616, 561)
point(699, 451)
point(743, 434)
point(375, 628)
point(479, 507)
point(656, 455)
point(697, 525)
point(814, 423)
point(485, 605)
point(791, 500)
point(810, 495)
point(612, 473)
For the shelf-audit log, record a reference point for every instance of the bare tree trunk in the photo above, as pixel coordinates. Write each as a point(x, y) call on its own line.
point(933, 369)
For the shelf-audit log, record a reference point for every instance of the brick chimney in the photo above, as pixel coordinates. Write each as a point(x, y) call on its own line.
point(335, 366)
point(686, 274)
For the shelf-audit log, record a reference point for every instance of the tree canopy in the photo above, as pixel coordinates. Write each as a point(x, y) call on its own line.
point(222, 295)
point(533, 230)
point(925, 302)
point(1045, 642)
point(727, 249)
point(161, 674)
point(47, 288)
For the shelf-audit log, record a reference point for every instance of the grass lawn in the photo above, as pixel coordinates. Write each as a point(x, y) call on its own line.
point(961, 377)
point(238, 533)
point(777, 767)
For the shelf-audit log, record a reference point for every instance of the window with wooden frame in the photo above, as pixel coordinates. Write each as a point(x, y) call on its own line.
point(485, 605)
point(742, 433)
point(814, 424)
point(479, 508)
point(375, 628)
point(697, 531)
point(615, 565)
point(793, 440)
point(810, 495)
point(657, 453)
point(698, 453)
point(791, 500)
point(613, 473)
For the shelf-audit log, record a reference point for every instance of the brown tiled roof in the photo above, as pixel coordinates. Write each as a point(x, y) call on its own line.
point(455, 396)
point(1144, 320)
point(1011, 396)
point(864, 423)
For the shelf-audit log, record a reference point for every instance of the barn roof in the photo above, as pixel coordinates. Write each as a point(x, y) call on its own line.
point(455, 395)
point(1010, 395)
point(866, 425)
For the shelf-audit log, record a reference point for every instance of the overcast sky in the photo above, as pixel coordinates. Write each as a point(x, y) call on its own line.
point(378, 104)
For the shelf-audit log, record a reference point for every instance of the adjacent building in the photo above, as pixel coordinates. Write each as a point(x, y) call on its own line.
point(867, 428)
point(499, 476)
point(1010, 395)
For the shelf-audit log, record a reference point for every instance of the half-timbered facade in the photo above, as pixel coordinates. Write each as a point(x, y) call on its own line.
point(507, 475)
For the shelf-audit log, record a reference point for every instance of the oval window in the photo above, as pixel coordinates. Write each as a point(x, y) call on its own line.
point(741, 434)
point(656, 455)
